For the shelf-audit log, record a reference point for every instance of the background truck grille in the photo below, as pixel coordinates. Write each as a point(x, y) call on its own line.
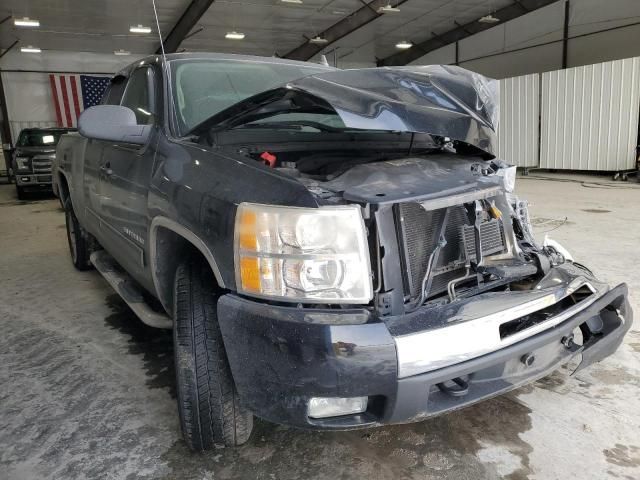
point(418, 235)
point(41, 165)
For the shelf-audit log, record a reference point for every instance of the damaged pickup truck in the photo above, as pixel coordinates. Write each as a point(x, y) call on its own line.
point(334, 249)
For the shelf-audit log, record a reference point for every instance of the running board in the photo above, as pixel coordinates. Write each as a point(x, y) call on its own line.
point(126, 287)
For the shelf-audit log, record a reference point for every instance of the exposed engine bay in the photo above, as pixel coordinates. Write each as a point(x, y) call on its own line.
point(444, 221)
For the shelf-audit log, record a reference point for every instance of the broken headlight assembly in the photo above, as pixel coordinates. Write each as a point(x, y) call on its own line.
point(315, 255)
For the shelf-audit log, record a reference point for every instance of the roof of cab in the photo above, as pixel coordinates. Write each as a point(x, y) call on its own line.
point(151, 59)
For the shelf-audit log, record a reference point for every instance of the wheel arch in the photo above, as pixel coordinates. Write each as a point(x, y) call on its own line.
point(63, 187)
point(168, 242)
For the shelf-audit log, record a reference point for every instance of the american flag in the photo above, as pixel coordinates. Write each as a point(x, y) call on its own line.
point(73, 93)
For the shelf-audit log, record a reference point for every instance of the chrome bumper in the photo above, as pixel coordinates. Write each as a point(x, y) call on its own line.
point(473, 329)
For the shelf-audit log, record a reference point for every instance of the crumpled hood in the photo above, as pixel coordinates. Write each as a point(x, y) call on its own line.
point(446, 101)
point(439, 100)
point(415, 179)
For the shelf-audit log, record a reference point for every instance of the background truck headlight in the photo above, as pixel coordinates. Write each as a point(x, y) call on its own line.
point(302, 254)
point(23, 164)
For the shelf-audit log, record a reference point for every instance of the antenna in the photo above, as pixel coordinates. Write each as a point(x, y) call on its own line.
point(155, 13)
point(164, 60)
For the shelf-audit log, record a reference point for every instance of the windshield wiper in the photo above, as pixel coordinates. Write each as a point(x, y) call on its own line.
point(296, 124)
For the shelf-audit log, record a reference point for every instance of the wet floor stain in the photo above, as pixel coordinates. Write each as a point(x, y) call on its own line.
point(635, 345)
point(616, 376)
point(444, 447)
point(46, 210)
point(154, 344)
point(623, 455)
point(542, 222)
point(554, 381)
point(595, 210)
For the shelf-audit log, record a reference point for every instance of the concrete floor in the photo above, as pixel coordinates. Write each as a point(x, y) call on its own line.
point(87, 391)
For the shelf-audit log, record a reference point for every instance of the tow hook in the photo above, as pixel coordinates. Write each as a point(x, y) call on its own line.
point(570, 344)
point(528, 359)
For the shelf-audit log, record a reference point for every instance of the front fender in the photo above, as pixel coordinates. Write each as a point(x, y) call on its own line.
point(199, 189)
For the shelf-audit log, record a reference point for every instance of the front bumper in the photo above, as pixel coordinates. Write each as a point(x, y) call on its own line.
point(281, 356)
point(34, 180)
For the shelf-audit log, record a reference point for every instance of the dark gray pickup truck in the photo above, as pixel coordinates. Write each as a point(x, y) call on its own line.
point(33, 157)
point(333, 249)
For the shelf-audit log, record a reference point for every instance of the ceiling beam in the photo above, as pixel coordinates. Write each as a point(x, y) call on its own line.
point(183, 26)
point(515, 10)
point(365, 14)
point(8, 49)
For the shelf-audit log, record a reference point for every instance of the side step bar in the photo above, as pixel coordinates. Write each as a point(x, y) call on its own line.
point(125, 286)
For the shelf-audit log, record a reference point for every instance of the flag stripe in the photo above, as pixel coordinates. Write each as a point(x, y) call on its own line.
point(65, 100)
point(54, 91)
point(60, 86)
point(80, 103)
point(74, 89)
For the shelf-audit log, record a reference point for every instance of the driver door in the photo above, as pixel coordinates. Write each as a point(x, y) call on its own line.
point(125, 175)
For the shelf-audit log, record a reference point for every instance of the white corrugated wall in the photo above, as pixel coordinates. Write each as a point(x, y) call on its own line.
point(518, 132)
point(590, 116)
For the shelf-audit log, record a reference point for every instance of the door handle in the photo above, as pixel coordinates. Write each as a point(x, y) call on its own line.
point(106, 169)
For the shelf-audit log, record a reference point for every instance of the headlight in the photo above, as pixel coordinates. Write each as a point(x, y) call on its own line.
point(302, 254)
point(23, 163)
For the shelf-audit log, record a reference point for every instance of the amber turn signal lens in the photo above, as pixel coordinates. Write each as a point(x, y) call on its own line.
point(247, 234)
point(250, 273)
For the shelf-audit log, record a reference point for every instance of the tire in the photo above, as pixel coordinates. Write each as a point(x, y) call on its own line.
point(20, 191)
point(208, 403)
point(81, 243)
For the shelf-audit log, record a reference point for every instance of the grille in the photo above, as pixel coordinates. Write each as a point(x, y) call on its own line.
point(418, 232)
point(41, 165)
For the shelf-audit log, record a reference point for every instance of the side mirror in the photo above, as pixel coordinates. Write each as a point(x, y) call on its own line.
point(113, 123)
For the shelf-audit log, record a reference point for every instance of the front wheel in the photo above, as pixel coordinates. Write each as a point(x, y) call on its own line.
point(208, 404)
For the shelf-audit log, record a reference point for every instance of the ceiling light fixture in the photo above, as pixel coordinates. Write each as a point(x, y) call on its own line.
point(489, 19)
point(233, 35)
point(403, 45)
point(388, 9)
point(30, 49)
point(121, 52)
point(318, 40)
point(297, 2)
point(26, 22)
point(139, 29)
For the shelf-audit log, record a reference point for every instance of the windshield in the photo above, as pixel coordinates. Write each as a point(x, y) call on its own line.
point(299, 121)
point(39, 138)
point(203, 87)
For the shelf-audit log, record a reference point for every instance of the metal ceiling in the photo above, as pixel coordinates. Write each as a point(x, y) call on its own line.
point(271, 27)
